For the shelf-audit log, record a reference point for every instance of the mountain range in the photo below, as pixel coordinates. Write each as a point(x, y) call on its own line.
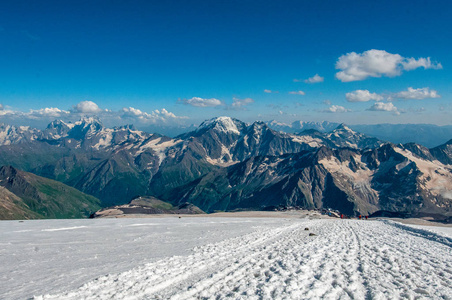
point(428, 135)
point(226, 164)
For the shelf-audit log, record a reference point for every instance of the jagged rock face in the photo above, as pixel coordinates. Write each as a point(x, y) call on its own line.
point(443, 153)
point(56, 130)
point(264, 181)
point(351, 181)
point(224, 141)
point(219, 142)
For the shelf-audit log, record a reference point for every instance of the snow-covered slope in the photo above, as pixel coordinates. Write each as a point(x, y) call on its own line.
point(17, 134)
point(299, 126)
point(341, 136)
point(211, 258)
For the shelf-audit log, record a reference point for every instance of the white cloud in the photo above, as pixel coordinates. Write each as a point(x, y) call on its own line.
point(377, 63)
point(48, 112)
point(336, 109)
point(362, 96)
point(36, 114)
point(418, 94)
point(297, 93)
point(126, 115)
point(241, 103)
point(87, 107)
point(383, 106)
point(327, 102)
point(201, 102)
point(154, 117)
point(412, 64)
point(315, 79)
point(130, 112)
point(1, 107)
point(6, 112)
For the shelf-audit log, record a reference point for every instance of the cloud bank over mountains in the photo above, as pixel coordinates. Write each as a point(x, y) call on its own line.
point(86, 108)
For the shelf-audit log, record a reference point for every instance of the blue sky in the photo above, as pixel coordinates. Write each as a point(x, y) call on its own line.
point(180, 62)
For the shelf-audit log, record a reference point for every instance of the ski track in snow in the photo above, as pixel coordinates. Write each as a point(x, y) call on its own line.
point(346, 259)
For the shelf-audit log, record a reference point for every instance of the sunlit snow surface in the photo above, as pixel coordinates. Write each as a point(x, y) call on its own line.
point(239, 258)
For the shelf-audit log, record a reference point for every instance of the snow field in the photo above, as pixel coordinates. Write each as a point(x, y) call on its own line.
point(346, 259)
point(53, 256)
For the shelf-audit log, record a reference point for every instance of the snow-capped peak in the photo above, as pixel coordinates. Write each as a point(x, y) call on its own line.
point(86, 121)
point(343, 127)
point(223, 124)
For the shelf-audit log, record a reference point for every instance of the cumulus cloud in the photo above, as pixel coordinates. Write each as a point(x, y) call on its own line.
point(297, 93)
point(202, 102)
point(154, 117)
point(336, 109)
point(315, 79)
point(377, 63)
point(87, 107)
point(48, 112)
point(382, 106)
point(362, 96)
point(412, 64)
point(418, 94)
point(1, 107)
point(241, 103)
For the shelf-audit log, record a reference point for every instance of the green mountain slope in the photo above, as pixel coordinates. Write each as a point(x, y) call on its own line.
point(26, 196)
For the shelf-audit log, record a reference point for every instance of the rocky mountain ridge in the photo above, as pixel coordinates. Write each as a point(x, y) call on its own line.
point(147, 206)
point(226, 164)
